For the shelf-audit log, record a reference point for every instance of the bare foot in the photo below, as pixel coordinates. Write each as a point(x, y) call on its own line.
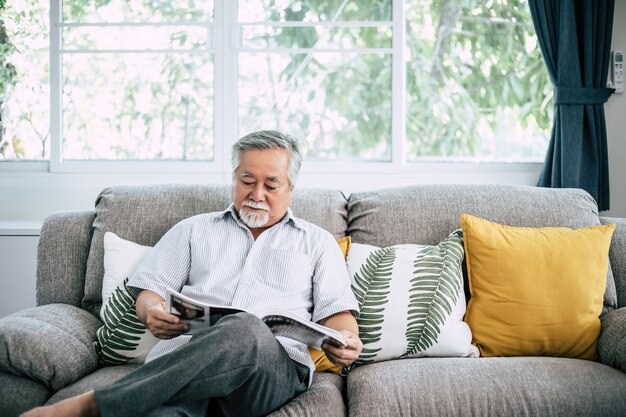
point(83, 405)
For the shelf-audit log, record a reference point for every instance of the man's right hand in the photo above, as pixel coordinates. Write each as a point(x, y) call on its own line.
point(162, 324)
point(150, 308)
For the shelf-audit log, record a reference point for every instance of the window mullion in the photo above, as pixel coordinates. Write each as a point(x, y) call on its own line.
point(56, 87)
point(398, 87)
point(226, 85)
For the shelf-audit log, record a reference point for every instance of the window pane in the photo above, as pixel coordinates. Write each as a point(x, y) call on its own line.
point(138, 106)
point(98, 11)
point(477, 87)
point(339, 104)
point(24, 86)
point(130, 37)
point(313, 10)
point(264, 37)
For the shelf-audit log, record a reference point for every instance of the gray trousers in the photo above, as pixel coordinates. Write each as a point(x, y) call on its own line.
point(233, 368)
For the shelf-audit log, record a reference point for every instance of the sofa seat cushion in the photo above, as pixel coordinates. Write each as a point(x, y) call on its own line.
point(323, 398)
point(52, 344)
point(99, 378)
point(518, 386)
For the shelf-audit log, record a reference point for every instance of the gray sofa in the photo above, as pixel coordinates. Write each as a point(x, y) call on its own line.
point(47, 353)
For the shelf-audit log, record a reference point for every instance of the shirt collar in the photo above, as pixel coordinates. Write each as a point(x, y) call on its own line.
point(287, 218)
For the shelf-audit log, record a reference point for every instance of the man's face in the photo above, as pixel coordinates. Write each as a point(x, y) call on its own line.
point(261, 191)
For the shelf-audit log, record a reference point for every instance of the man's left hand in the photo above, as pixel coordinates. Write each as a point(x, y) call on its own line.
point(344, 356)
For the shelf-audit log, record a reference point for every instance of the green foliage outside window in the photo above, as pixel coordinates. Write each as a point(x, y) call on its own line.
point(476, 85)
point(476, 80)
point(24, 81)
point(339, 103)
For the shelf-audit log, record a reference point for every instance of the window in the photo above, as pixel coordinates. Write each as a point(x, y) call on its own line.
point(321, 69)
point(137, 80)
point(24, 81)
point(381, 81)
point(477, 87)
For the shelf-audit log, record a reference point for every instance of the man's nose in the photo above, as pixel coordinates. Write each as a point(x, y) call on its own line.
point(258, 193)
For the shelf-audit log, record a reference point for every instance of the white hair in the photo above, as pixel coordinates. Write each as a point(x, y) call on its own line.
point(270, 139)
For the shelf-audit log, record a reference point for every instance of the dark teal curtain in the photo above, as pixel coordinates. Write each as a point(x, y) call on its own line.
point(575, 39)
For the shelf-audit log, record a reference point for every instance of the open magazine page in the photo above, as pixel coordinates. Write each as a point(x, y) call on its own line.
point(311, 334)
point(196, 313)
point(200, 315)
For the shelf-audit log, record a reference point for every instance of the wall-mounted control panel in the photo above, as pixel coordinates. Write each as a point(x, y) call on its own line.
point(617, 71)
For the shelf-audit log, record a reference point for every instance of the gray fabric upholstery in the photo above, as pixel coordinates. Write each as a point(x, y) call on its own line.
point(518, 387)
point(144, 214)
point(101, 377)
point(19, 394)
point(612, 342)
point(52, 344)
point(323, 398)
point(325, 208)
point(617, 254)
point(426, 214)
point(61, 257)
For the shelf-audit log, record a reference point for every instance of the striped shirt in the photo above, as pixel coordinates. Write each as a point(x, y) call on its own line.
point(293, 266)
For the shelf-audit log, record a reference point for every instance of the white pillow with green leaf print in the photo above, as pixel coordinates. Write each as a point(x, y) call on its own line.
point(411, 300)
point(123, 338)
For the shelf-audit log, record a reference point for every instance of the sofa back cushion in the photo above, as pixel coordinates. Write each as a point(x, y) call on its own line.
point(143, 214)
point(426, 214)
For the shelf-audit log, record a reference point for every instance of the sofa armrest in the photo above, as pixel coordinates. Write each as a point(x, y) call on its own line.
point(52, 344)
point(617, 256)
point(612, 342)
point(62, 253)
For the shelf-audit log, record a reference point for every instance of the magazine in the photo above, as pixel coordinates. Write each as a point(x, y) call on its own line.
point(281, 323)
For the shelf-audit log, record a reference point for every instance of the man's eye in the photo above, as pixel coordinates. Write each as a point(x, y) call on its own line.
point(270, 188)
point(247, 183)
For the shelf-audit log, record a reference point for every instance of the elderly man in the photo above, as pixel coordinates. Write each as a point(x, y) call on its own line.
point(254, 255)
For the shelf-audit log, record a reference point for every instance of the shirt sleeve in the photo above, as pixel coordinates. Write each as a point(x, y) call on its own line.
point(167, 265)
point(332, 290)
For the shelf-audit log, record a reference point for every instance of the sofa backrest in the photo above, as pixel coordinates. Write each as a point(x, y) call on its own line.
point(143, 214)
point(426, 214)
point(70, 255)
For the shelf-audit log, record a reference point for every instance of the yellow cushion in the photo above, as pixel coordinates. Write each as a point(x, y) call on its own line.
point(322, 363)
point(344, 244)
point(535, 291)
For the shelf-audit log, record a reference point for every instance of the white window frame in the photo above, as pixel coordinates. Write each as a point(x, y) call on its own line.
point(226, 47)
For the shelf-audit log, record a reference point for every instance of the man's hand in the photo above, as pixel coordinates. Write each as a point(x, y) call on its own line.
point(347, 355)
point(162, 324)
point(150, 308)
point(345, 322)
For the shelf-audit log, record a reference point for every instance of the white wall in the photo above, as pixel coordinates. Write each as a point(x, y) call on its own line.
point(616, 125)
point(18, 260)
point(34, 195)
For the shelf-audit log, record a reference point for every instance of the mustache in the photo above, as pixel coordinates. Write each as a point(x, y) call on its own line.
point(255, 205)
